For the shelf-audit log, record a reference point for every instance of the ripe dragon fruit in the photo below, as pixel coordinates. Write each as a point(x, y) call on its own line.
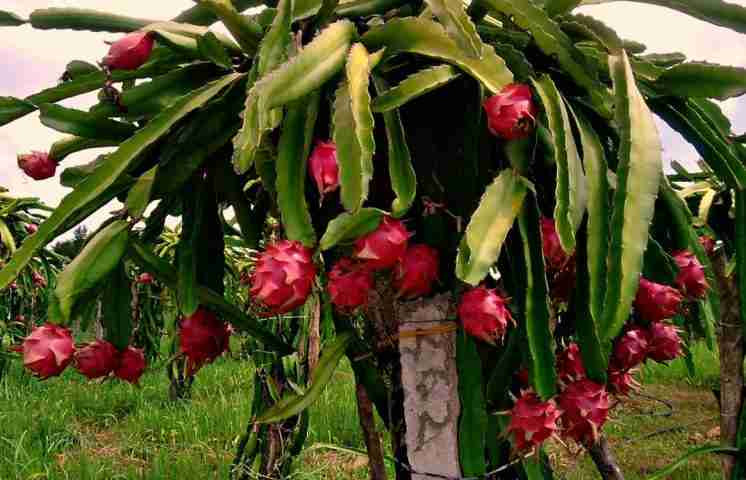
point(621, 382)
point(522, 377)
point(97, 359)
point(38, 279)
point(323, 167)
point(384, 246)
point(691, 278)
point(532, 421)
point(631, 349)
point(283, 277)
point(656, 301)
point(31, 228)
point(131, 365)
point(416, 271)
point(664, 342)
point(554, 255)
point(37, 165)
point(585, 408)
point(349, 285)
point(511, 114)
point(130, 52)
point(202, 338)
point(484, 314)
point(48, 350)
point(708, 243)
point(570, 364)
point(145, 279)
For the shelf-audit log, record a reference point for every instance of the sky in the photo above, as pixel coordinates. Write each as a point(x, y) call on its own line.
point(31, 60)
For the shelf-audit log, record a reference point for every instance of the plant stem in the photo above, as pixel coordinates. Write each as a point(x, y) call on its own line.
point(605, 462)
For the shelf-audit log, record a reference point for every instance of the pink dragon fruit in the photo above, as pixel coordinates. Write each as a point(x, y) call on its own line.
point(570, 364)
point(145, 279)
point(664, 342)
point(131, 365)
point(349, 285)
point(708, 243)
point(621, 382)
point(202, 338)
point(631, 349)
point(554, 255)
point(323, 167)
point(484, 314)
point(31, 228)
point(130, 52)
point(283, 277)
point(511, 114)
point(691, 278)
point(37, 165)
point(48, 350)
point(532, 421)
point(585, 408)
point(97, 359)
point(384, 246)
point(416, 271)
point(656, 301)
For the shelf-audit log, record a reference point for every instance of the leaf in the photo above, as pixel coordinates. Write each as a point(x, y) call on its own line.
point(293, 404)
point(72, 144)
point(201, 15)
point(458, 25)
point(428, 38)
point(292, 157)
point(560, 7)
point(350, 226)
point(401, 171)
point(85, 19)
point(472, 427)
point(638, 176)
point(664, 60)
point(141, 193)
point(190, 248)
point(10, 19)
point(740, 242)
point(165, 273)
point(414, 86)
point(6, 237)
point(570, 186)
point(97, 185)
point(696, 126)
point(555, 43)
point(83, 124)
point(667, 471)
point(211, 48)
point(246, 32)
point(366, 8)
point(12, 108)
point(79, 68)
point(312, 67)
point(274, 47)
point(489, 225)
point(116, 307)
point(592, 268)
point(695, 79)
point(537, 313)
point(718, 12)
point(94, 263)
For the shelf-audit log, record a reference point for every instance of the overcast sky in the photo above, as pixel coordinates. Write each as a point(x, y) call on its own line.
point(31, 60)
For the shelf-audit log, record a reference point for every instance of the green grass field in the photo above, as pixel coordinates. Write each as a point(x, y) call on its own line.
point(66, 428)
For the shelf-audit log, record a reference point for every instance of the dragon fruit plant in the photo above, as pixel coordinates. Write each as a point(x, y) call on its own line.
point(499, 163)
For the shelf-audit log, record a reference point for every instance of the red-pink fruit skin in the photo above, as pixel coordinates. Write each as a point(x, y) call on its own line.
point(484, 314)
point(130, 52)
point(631, 349)
point(570, 364)
point(585, 409)
point(511, 114)
point(621, 382)
point(283, 277)
point(691, 277)
point(384, 246)
point(554, 255)
point(48, 350)
point(656, 301)
point(131, 366)
point(97, 359)
point(416, 272)
point(532, 421)
point(323, 167)
point(37, 165)
point(203, 338)
point(664, 342)
point(349, 284)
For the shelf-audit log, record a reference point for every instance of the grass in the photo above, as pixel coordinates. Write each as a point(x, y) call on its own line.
point(66, 428)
